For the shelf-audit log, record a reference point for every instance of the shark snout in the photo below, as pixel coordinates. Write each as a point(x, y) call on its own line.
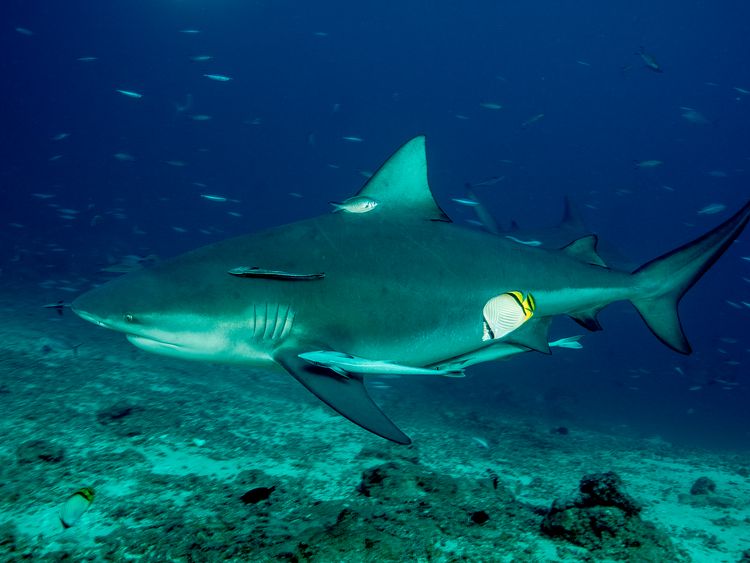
point(80, 308)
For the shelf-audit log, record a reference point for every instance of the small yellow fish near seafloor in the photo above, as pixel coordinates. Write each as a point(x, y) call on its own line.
point(505, 313)
point(76, 506)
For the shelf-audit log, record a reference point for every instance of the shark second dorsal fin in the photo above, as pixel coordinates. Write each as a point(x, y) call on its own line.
point(584, 249)
point(400, 185)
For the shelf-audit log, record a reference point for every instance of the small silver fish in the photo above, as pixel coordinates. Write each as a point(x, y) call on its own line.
point(465, 201)
point(352, 139)
point(489, 181)
point(694, 116)
point(218, 77)
point(212, 197)
point(526, 242)
point(129, 93)
point(712, 208)
point(649, 61)
point(490, 105)
point(218, 198)
point(356, 204)
point(648, 163)
point(532, 119)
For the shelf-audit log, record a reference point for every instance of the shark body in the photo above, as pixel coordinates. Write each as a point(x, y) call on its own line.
point(399, 283)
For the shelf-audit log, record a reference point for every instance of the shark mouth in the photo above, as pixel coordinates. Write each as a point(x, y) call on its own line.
point(150, 344)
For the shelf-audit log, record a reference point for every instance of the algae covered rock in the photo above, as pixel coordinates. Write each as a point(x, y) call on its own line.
point(604, 519)
point(39, 450)
point(703, 486)
point(703, 493)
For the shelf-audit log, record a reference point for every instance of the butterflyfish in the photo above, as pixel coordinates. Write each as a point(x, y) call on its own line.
point(505, 313)
point(76, 506)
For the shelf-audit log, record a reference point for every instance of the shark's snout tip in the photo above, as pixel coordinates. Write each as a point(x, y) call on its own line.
point(78, 306)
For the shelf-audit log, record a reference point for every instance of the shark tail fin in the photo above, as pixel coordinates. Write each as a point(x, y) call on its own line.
point(662, 282)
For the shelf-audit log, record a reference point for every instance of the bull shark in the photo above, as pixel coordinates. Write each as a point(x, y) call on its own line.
point(400, 285)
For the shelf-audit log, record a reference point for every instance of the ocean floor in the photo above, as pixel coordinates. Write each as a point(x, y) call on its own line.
point(198, 462)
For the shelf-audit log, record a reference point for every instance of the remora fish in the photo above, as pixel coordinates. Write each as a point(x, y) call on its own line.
point(379, 296)
point(218, 77)
point(344, 364)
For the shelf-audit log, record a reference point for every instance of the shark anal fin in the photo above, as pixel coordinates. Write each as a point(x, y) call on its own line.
point(256, 272)
point(346, 395)
point(587, 319)
point(584, 249)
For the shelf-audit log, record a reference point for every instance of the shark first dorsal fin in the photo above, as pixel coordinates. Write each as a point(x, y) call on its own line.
point(400, 185)
point(584, 249)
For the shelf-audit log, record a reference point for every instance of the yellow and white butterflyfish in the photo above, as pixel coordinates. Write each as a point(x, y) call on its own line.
point(505, 313)
point(76, 506)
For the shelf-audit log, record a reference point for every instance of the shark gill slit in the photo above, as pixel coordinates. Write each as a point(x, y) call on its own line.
point(272, 321)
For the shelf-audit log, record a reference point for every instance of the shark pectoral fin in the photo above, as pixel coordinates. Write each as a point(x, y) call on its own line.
point(587, 319)
point(532, 335)
point(584, 249)
point(347, 396)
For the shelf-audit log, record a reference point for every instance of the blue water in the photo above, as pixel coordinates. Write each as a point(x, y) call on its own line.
point(306, 74)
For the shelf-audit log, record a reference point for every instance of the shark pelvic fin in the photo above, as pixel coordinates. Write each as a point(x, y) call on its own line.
point(532, 335)
point(584, 249)
point(346, 395)
point(400, 184)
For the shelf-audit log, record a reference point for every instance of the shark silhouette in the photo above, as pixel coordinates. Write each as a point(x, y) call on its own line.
point(399, 284)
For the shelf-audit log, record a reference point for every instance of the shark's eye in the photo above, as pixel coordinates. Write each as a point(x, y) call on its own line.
point(129, 318)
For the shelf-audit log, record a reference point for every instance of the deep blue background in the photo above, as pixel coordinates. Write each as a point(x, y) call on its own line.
point(305, 74)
